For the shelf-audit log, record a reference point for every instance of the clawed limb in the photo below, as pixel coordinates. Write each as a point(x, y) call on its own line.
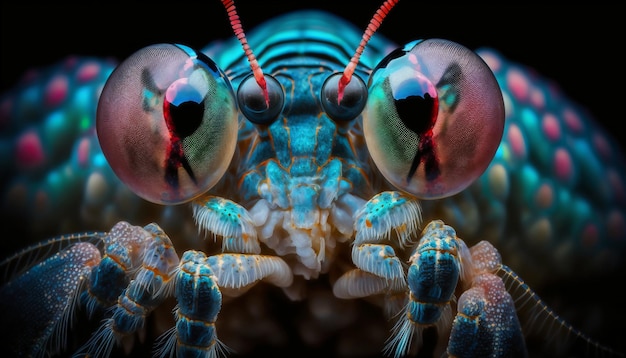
point(379, 270)
point(241, 264)
point(440, 268)
point(442, 284)
point(438, 263)
point(122, 275)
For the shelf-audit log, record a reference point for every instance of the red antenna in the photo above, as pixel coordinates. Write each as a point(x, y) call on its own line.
point(235, 23)
point(374, 24)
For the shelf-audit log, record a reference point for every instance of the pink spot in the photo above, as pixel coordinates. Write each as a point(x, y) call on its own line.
point(517, 83)
point(491, 60)
point(544, 196)
point(29, 150)
point(602, 146)
point(573, 121)
point(563, 168)
point(516, 141)
point(589, 236)
point(551, 127)
point(88, 72)
point(56, 91)
point(537, 99)
point(83, 152)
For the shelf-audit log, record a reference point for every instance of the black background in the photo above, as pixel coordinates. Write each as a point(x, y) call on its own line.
point(581, 47)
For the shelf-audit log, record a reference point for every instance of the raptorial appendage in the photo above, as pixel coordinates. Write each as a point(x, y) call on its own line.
point(149, 285)
point(199, 302)
point(140, 266)
point(423, 295)
point(124, 249)
point(241, 265)
point(121, 277)
point(459, 291)
point(388, 220)
point(437, 264)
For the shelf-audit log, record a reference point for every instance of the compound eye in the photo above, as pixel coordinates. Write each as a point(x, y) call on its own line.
point(252, 101)
point(352, 102)
point(167, 123)
point(434, 118)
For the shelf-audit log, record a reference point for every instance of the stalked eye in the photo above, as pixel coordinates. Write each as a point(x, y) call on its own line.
point(352, 103)
point(252, 101)
point(434, 118)
point(167, 123)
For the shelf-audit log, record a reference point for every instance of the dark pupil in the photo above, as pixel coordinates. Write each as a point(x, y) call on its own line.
point(183, 111)
point(186, 111)
point(415, 107)
point(416, 112)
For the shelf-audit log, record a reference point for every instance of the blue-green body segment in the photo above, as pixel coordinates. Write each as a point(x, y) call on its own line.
point(107, 281)
point(433, 276)
point(301, 58)
point(145, 292)
point(121, 257)
point(199, 302)
point(553, 200)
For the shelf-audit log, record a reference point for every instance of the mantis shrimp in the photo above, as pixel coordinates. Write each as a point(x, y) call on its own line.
point(345, 208)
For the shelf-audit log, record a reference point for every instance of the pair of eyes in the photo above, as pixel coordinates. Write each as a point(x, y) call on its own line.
point(167, 119)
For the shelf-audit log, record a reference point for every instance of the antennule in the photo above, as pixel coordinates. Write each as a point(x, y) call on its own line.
point(374, 24)
point(235, 23)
